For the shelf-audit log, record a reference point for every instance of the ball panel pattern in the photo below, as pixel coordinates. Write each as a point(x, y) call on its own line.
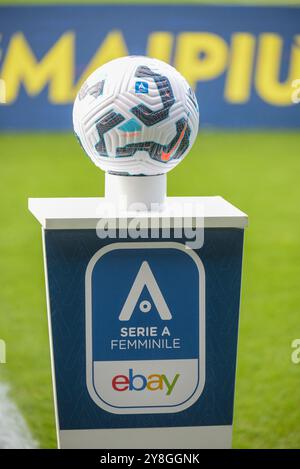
point(136, 115)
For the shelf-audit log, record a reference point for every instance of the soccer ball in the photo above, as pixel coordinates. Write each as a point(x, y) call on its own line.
point(136, 116)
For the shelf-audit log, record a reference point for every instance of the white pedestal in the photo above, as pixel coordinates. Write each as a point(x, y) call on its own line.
point(110, 390)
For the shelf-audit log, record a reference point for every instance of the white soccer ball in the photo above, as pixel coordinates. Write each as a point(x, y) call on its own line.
point(136, 116)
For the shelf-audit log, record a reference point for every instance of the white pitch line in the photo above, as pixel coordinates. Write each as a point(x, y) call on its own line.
point(14, 432)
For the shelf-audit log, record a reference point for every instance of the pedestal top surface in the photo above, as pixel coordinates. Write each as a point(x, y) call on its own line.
point(84, 213)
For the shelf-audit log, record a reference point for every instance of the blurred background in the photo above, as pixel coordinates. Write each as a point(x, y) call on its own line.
point(243, 61)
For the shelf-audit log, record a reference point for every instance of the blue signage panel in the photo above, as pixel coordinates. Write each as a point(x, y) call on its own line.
point(145, 344)
point(144, 333)
point(242, 61)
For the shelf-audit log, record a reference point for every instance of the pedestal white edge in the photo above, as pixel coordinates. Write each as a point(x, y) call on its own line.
point(57, 427)
point(85, 213)
point(215, 437)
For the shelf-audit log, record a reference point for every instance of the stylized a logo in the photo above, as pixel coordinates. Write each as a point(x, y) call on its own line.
point(144, 278)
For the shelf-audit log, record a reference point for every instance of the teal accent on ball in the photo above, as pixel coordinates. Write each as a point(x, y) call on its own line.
point(131, 126)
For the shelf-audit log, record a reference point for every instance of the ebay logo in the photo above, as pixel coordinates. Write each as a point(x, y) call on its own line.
point(139, 382)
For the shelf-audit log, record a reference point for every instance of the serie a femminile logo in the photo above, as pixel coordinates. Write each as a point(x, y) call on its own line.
point(146, 345)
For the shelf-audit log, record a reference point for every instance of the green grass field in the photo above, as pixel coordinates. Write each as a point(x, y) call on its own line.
point(258, 172)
